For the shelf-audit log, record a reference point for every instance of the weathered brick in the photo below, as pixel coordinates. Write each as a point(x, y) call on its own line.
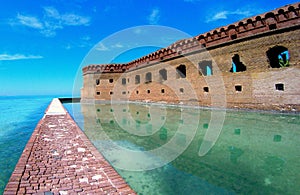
point(47, 170)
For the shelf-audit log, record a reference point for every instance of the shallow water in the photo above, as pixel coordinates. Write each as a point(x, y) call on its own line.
point(18, 118)
point(169, 150)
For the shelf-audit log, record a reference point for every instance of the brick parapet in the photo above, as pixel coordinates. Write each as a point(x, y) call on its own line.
point(281, 18)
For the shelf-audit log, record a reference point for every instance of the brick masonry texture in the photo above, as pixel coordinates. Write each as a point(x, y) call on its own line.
point(250, 39)
point(59, 159)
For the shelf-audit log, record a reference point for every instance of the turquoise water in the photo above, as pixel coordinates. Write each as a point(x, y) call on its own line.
point(246, 153)
point(18, 118)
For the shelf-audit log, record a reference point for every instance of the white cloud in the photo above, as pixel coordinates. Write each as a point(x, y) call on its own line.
point(30, 21)
point(52, 21)
point(154, 17)
point(101, 47)
point(5, 57)
point(225, 14)
point(84, 41)
point(117, 45)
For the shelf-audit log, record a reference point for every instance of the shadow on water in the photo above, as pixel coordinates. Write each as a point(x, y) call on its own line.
point(256, 153)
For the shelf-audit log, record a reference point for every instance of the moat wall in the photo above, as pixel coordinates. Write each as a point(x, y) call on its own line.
point(178, 74)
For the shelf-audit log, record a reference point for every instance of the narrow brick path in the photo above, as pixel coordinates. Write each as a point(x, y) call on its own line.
point(59, 159)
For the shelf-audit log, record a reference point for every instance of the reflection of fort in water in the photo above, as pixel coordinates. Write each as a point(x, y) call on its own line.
point(253, 148)
point(253, 63)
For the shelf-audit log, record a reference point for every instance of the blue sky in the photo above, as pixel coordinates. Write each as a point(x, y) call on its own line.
point(43, 43)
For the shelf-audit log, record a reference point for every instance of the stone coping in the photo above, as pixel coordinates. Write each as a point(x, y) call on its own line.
point(60, 159)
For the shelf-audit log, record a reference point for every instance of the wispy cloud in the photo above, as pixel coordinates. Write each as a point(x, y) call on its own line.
point(117, 45)
point(154, 17)
point(51, 21)
point(222, 15)
point(6, 57)
point(102, 47)
point(30, 21)
point(84, 41)
point(68, 19)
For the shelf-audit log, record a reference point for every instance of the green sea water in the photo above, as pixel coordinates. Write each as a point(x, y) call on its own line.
point(177, 150)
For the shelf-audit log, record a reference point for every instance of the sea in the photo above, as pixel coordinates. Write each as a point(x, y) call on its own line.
point(19, 116)
point(255, 152)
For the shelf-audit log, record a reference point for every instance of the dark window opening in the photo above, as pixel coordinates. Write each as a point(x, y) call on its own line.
point(181, 71)
point(163, 74)
point(97, 81)
point(277, 138)
point(110, 93)
point(111, 70)
point(123, 81)
point(111, 80)
point(278, 57)
point(128, 80)
point(238, 88)
point(237, 65)
point(148, 91)
point(98, 92)
point(234, 36)
point(205, 67)
point(162, 90)
point(279, 87)
point(237, 131)
point(206, 89)
point(137, 92)
point(272, 26)
point(148, 77)
point(124, 92)
point(137, 79)
point(181, 90)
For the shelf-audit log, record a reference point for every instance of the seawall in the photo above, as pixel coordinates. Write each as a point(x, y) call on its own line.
point(59, 159)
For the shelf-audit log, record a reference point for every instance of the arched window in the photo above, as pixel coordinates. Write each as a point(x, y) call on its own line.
point(237, 65)
point(278, 57)
point(181, 71)
point(137, 79)
point(148, 78)
point(163, 75)
point(97, 81)
point(123, 81)
point(205, 67)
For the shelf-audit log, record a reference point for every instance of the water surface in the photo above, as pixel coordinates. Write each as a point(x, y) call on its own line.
point(18, 118)
point(250, 153)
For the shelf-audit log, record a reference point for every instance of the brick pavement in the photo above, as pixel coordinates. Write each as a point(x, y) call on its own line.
point(59, 159)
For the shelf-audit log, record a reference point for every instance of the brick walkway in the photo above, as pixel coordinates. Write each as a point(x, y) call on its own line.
point(59, 159)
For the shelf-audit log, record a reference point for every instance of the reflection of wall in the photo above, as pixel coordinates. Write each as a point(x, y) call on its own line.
point(252, 149)
point(250, 39)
